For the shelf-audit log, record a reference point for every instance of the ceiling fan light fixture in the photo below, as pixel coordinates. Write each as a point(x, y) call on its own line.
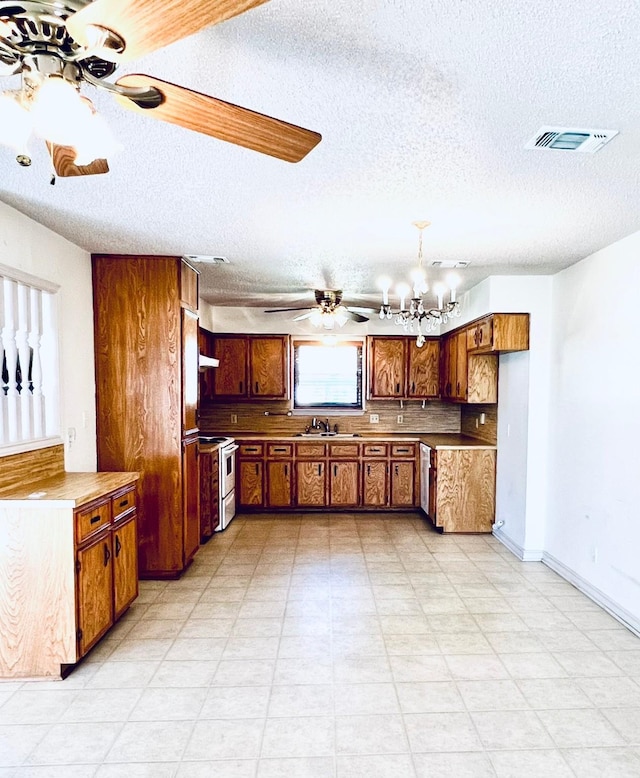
point(95, 140)
point(58, 111)
point(15, 122)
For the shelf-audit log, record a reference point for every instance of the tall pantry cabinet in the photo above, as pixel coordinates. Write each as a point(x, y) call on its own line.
point(146, 352)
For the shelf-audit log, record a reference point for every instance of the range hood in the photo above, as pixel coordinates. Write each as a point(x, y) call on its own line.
point(206, 362)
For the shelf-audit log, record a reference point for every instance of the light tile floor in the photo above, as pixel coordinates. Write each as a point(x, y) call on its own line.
point(342, 647)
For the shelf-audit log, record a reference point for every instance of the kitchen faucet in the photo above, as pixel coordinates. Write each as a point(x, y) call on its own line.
point(318, 424)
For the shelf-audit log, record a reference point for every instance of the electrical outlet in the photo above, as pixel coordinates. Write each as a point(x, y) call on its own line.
point(374, 418)
point(400, 419)
point(234, 418)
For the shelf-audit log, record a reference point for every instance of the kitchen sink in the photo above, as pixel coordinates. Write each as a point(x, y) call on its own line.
point(327, 435)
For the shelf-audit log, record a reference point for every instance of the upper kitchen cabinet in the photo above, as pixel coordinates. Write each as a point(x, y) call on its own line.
point(424, 369)
point(252, 367)
point(398, 369)
point(499, 332)
point(146, 352)
point(387, 367)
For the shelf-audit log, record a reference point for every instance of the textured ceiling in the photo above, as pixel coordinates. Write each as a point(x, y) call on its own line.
point(424, 107)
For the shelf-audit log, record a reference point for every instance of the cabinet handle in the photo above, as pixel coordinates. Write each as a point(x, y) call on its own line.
point(241, 386)
point(402, 450)
point(413, 387)
point(123, 503)
point(480, 333)
point(107, 554)
point(368, 469)
point(319, 469)
point(396, 469)
point(335, 470)
point(286, 470)
point(94, 519)
point(398, 388)
point(280, 450)
point(256, 468)
point(458, 388)
point(256, 387)
point(118, 546)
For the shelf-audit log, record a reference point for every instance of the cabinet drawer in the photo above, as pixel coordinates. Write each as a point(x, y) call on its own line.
point(251, 450)
point(310, 449)
point(337, 450)
point(123, 503)
point(279, 450)
point(87, 522)
point(375, 450)
point(403, 450)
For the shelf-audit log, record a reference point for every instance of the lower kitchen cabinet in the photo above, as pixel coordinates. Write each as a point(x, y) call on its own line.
point(344, 489)
point(403, 484)
point(209, 493)
point(279, 484)
point(251, 480)
point(375, 489)
point(190, 499)
point(311, 483)
point(462, 487)
point(70, 561)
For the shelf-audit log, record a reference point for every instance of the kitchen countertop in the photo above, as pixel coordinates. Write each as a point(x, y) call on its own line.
point(69, 489)
point(437, 440)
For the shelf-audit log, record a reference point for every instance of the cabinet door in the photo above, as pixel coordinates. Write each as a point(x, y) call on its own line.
point(251, 483)
point(279, 482)
point(448, 367)
point(403, 492)
point(94, 592)
point(209, 505)
point(189, 287)
point(189, 371)
point(269, 361)
point(374, 482)
point(343, 483)
point(230, 378)
point(190, 499)
point(125, 564)
point(461, 366)
point(310, 483)
point(387, 368)
point(424, 369)
point(433, 489)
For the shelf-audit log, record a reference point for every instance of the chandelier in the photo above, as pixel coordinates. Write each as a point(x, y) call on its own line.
point(420, 316)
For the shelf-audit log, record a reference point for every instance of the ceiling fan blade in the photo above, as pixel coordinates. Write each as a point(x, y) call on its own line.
point(148, 25)
point(283, 310)
point(355, 316)
point(303, 316)
point(63, 159)
point(221, 120)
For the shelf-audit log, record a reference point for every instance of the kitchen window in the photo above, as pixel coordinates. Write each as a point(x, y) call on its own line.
point(327, 376)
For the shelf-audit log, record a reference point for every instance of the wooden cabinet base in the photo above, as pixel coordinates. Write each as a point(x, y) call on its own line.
point(465, 489)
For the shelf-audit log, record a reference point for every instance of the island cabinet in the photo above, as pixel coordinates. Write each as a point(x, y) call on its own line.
point(146, 363)
point(68, 568)
point(252, 367)
point(462, 484)
point(398, 369)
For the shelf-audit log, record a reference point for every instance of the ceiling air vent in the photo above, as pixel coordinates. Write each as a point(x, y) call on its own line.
point(570, 139)
point(449, 263)
point(206, 259)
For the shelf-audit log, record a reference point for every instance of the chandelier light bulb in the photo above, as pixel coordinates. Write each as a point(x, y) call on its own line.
point(385, 284)
point(453, 281)
point(402, 290)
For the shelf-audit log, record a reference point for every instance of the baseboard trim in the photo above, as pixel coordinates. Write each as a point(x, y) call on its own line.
point(593, 593)
point(524, 555)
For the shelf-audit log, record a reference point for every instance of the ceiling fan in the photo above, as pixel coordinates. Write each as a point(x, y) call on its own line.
point(57, 46)
point(328, 310)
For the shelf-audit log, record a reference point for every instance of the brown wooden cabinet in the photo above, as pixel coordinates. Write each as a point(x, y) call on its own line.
point(462, 486)
point(252, 367)
point(251, 476)
point(499, 332)
point(387, 367)
point(311, 483)
point(74, 552)
point(344, 489)
point(375, 483)
point(403, 474)
point(454, 366)
point(190, 498)
point(423, 373)
point(398, 369)
point(279, 471)
point(94, 590)
point(209, 492)
point(146, 347)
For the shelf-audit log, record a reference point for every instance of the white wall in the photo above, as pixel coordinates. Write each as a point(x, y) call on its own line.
point(593, 526)
point(32, 248)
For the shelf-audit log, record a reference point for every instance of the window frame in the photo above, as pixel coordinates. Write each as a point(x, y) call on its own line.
point(334, 409)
